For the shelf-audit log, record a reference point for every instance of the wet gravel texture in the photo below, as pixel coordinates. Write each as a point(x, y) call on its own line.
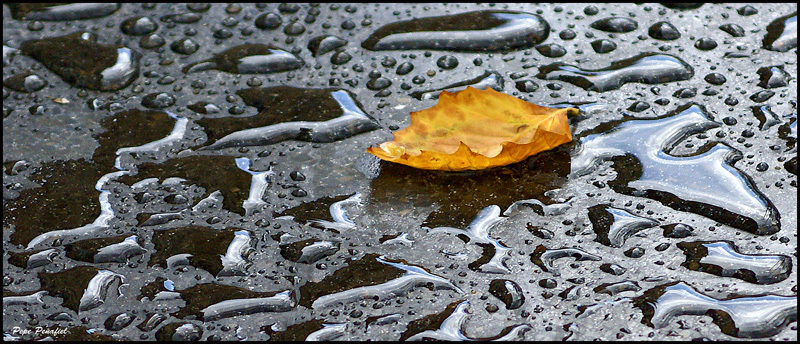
point(198, 172)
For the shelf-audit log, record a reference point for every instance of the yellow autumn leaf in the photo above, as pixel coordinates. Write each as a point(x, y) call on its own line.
point(476, 129)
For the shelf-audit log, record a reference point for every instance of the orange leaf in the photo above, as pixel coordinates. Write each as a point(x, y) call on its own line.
point(476, 129)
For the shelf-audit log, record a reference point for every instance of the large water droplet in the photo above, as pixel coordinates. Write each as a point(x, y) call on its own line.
point(249, 59)
point(289, 113)
point(742, 317)
point(57, 12)
point(615, 24)
point(472, 31)
point(648, 68)
point(722, 258)
point(781, 34)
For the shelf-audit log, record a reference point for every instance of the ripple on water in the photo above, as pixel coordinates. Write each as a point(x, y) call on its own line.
point(707, 183)
point(472, 31)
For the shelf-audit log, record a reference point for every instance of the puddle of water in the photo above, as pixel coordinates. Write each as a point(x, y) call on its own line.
point(722, 258)
point(205, 246)
point(743, 317)
point(289, 113)
point(115, 249)
point(81, 61)
point(210, 172)
point(704, 183)
point(249, 59)
point(453, 191)
point(646, 68)
point(215, 301)
point(472, 31)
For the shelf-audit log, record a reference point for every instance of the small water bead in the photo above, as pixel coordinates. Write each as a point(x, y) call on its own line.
point(233, 9)
point(230, 22)
point(152, 41)
point(404, 68)
point(705, 43)
point(268, 21)
point(378, 84)
point(185, 46)
point(552, 50)
point(664, 31)
point(388, 61)
point(615, 24)
point(526, 86)
point(715, 78)
point(348, 25)
point(634, 252)
point(138, 26)
point(340, 57)
point(733, 30)
point(181, 18)
point(294, 29)
point(762, 96)
point(158, 100)
point(447, 62)
point(35, 26)
point(603, 46)
point(567, 34)
point(198, 7)
point(591, 10)
point(685, 93)
point(773, 77)
point(639, 106)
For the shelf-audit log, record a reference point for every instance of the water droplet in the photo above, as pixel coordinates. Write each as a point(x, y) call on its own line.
point(677, 230)
point(249, 59)
point(664, 30)
point(526, 86)
point(747, 10)
point(472, 31)
point(781, 34)
point(181, 18)
point(158, 100)
point(649, 68)
point(766, 118)
point(314, 115)
point(447, 62)
point(179, 331)
point(639, 106)
point(487, 79)
point(294, 29)
point(567, 34)
point(138, 26)
point(404, 68)
point(111, 68)
point(544, 257)
point(119, 321)
point(551, 50)
point(25, 82)
point(268, 21)
point(617, 287)
point(615, 24)
point(733, 30)
point(56, 12)
point(762, 96)
point(705, 43)
point(308, 251)
point(152, 41)
point(742, 317)
point(602, 46)
point(613, 226)
point(321, 45)
point(715, 78)
point(773, 77)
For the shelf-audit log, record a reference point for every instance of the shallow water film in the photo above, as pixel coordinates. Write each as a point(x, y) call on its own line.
point(199, 172)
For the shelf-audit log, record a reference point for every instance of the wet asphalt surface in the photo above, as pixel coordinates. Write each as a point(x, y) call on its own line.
point(671, 216)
